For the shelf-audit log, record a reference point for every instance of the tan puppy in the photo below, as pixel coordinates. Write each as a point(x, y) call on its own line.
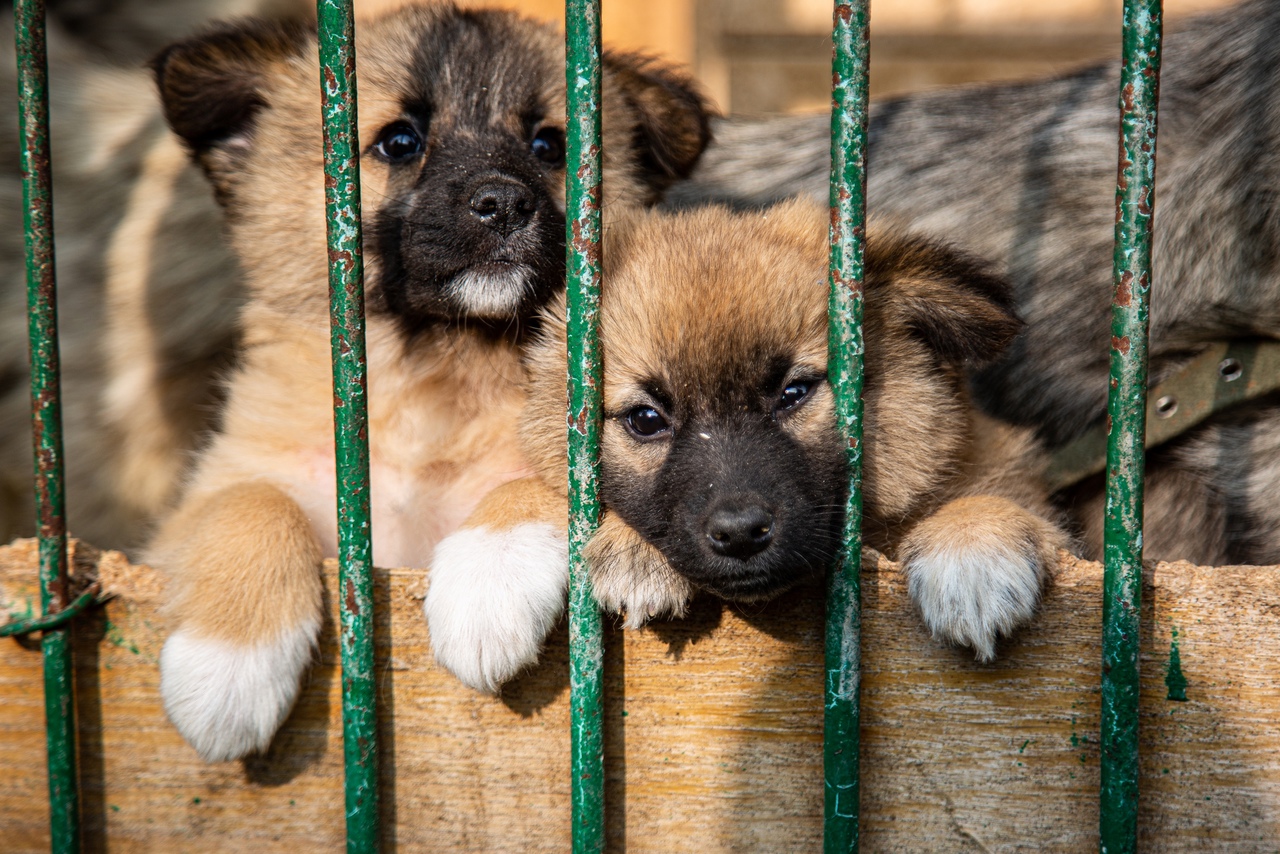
point(721, 466)
point(461, 122)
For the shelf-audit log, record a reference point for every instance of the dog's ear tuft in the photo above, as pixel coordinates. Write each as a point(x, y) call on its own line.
point(672, 117)
point(212, 85)
point(949, 298)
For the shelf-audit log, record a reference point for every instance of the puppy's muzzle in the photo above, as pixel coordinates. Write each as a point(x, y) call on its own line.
point(504, 205)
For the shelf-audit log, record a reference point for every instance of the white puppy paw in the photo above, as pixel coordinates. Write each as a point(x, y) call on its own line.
point(228, 699)
point(976, 570)
point(493, 597)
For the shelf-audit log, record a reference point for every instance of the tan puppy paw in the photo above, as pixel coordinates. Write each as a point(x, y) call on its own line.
point(631, 577)
point(495, 594)
point(246, 600)
point(976, 569)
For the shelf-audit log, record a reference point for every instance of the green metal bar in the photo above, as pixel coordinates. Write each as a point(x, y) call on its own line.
point(56, 620)
point(46, 422)
point(850, 67)
point(582, 236)
point(350, 420)
point(1126, 411)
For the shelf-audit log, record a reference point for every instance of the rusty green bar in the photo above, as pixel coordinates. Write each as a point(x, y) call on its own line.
point(46, 422)
point(850, 68)
point(582, 238)
point(350, 421)
point(1126, 413)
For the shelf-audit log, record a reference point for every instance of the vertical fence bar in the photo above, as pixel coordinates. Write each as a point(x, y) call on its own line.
point(1126, 413)
point(850, 66)
point(350, 420)
point(46, 421)
point(582, 238)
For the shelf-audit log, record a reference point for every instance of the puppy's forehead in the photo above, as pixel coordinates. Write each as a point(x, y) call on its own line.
point(714, 308)
point(471, 69)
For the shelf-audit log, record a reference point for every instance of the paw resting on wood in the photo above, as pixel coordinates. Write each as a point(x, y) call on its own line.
point(227, 698)
point(495, 594)
point(976, 569)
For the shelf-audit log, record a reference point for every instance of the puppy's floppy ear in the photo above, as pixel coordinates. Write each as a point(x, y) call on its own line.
point(213, 84)
point(950, 299)
point(673, 119)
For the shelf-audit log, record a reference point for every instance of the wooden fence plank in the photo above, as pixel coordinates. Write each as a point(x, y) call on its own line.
point(714, 730)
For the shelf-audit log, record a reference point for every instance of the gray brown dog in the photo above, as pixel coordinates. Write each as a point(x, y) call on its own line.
point(1024, 174)
point(462, 124)
point(720, 464)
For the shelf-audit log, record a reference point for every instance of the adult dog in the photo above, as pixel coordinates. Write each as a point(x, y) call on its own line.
point(1024, 174)
point(720, 462)
point(462, 121)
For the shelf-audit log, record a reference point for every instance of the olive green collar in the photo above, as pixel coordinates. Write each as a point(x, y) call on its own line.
point(1223, 375)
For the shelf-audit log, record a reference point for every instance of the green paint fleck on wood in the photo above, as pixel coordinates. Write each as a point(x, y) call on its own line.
point(1173, 679)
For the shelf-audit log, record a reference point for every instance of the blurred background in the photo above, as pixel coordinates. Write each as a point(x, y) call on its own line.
point(752, 56)
point(770, 56)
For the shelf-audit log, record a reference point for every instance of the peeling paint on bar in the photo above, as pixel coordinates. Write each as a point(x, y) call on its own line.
point(1126, 412)
point(582, 205)
point(844, 607)
point(46, 422)
point(350, 421)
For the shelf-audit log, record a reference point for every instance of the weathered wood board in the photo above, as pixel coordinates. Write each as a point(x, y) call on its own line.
point(714, 731)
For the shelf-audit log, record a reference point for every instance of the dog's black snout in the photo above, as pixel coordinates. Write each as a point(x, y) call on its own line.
point(737, 530)
point(504, 206)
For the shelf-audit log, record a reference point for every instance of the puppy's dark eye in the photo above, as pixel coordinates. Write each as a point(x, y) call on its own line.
point(645, 422)
point(548, 146)
point(793, 395)
point(398, 143)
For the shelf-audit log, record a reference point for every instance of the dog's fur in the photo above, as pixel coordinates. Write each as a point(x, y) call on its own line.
point(718, 322)
point(1024, 174)
point(464, 240)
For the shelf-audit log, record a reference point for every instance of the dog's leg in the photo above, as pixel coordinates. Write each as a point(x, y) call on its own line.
point(499, 584)
point(976, 569)
point(629, 576)
point(245, 598)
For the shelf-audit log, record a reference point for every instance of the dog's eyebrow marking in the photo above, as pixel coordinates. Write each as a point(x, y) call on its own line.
point(705, 435)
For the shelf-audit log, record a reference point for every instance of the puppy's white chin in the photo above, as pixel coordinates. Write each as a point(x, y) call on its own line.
point(493, 597)
point(226, 699)
point(495, 291)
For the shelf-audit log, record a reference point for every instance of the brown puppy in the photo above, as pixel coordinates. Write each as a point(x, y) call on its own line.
point(721, 466)
point(461, 121)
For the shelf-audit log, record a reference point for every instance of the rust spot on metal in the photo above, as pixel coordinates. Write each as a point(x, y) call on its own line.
point(578, 421)
point(353, 606)
point(1124, 290)
point(1121, 344)
point(1127, 98)
point(1144, 207)
point(844, 13)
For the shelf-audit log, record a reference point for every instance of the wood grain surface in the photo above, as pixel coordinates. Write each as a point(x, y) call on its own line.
point(714, 730)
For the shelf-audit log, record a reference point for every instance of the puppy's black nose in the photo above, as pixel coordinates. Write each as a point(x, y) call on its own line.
point(740, 531)
point(504, 206)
